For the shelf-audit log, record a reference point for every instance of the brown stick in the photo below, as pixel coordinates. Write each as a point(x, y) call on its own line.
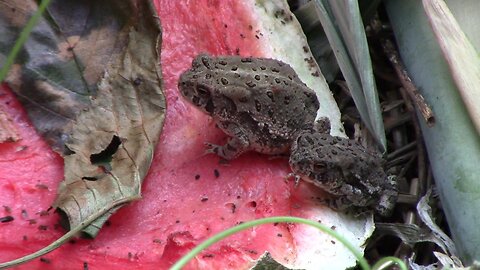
point(407, 83)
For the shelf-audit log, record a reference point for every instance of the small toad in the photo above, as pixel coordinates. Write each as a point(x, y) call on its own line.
point(264, 107)
point(345, 169)
point(260, 103)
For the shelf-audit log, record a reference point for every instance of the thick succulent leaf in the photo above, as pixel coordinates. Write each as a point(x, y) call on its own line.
point(112, 142)
point(342, 23)
point(61, 63)
point(461, 55)
point(453, 144)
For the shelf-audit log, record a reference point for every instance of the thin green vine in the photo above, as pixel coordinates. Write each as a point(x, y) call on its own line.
point(220, 236)
point(22, 38)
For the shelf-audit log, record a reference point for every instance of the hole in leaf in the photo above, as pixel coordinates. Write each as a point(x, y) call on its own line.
point(105, 156)
point(89, 178)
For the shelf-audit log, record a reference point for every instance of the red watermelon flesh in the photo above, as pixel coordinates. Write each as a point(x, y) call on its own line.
point(187, 196)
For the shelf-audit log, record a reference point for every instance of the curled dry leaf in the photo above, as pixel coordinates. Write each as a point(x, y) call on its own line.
point(109, 148)
point(106, 127)
point(111, 145)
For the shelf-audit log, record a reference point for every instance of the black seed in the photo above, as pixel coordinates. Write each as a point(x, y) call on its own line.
point(222, 62)
point(24, 214)
point(25, 238)
point(263, 67)
point(41, 186)
point(158, 241)
point(276, 70)
point(204, 199)
point(257, 77)
point(177, 221)
point(208, 76)
point(43, 227)
point(216, 173)
point(234, 68)
point(6, 219)
point(246, 60)
point(254, 69)
point(44, 260)
point(85, 266)
point(277, 80)
point(279, 235)
point(224, 81)
point(197, 176)
point(286, 101)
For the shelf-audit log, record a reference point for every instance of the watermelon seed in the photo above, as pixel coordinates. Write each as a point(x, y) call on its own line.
point(231, 206)
point(6, 219)
point(44, 260)
point(24, 214)
point(85, 266)
point(42, 227)
point(252, 251)
point(177, 221)
point(204, 199)
point(25, 238)
point(279, 235)
point(252, 204)
point(216, 173)
point(158, 241)
point(208, 256)
point(41, 186)
point(197, 176)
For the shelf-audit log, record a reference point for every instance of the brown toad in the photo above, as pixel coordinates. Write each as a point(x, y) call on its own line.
point(345, 169)
point(263, 106)
point(260, 103)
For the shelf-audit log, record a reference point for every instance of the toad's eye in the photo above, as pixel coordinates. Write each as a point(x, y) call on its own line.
point(202, 91)
point(319, 167)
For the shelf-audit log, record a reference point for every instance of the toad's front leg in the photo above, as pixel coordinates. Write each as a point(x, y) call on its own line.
point(235, 146)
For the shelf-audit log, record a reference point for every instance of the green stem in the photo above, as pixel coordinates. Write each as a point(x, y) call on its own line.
point(207, 243)
point(389, 261)
point(22, 38)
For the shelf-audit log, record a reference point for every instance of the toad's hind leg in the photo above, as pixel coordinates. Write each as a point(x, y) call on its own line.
point(232, 149)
